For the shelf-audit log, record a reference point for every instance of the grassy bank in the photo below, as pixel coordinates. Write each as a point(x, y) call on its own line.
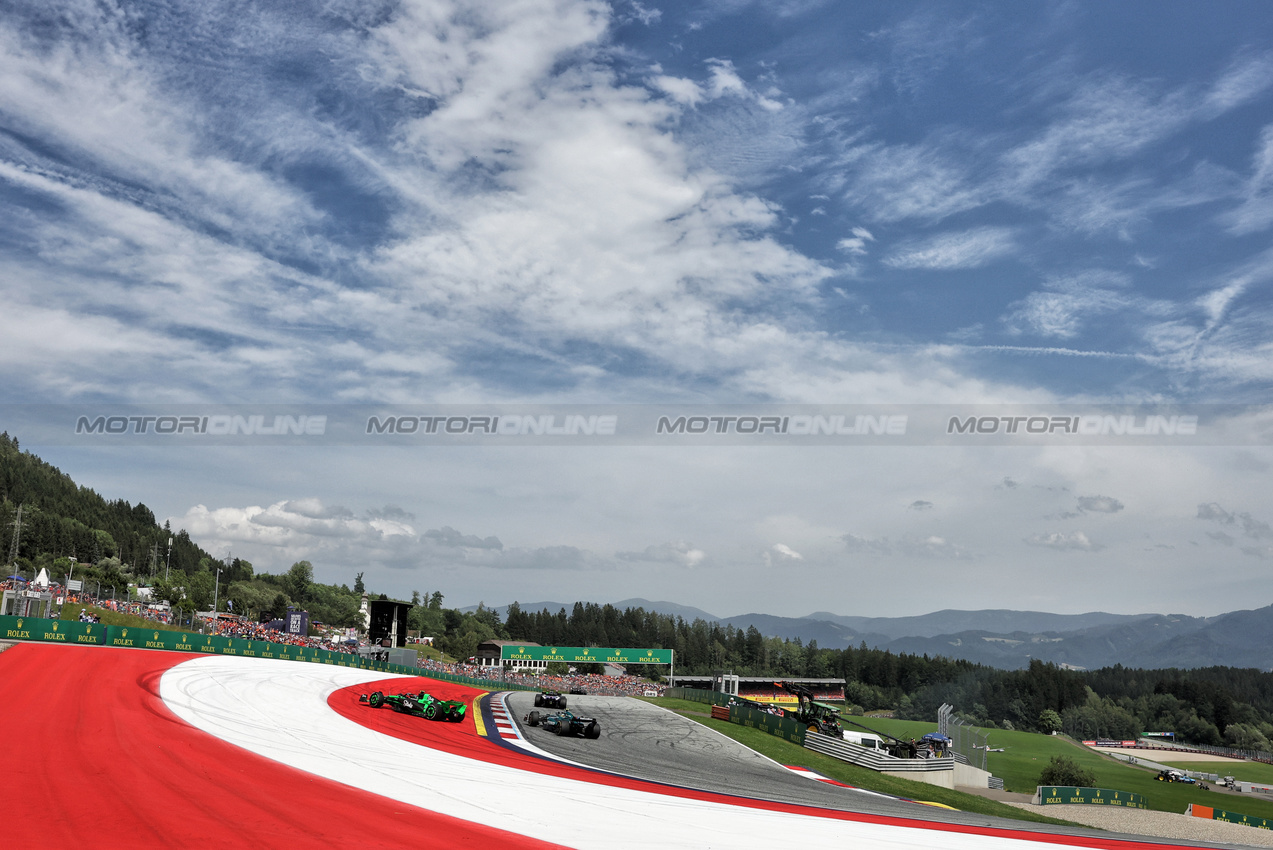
point(1025, 754)
point(1019, 765)
point(787, 753)
point(116, 618)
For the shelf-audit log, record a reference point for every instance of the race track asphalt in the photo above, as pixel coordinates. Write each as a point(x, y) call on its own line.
point(647, 742)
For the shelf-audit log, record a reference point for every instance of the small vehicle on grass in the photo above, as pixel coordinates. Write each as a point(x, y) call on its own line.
point(565, 723)
point(550, 699)
point(418, 705)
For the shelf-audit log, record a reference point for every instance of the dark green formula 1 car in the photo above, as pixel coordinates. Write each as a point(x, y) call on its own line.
point(566, 723)
point(419, 705)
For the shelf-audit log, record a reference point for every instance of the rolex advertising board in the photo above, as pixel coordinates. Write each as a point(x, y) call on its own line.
point(585, 654)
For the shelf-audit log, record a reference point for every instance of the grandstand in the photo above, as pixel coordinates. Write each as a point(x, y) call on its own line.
point(762, 688)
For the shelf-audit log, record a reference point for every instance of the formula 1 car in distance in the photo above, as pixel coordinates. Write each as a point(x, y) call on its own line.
point(566, 723)
point(550, 699)
point(418, 705)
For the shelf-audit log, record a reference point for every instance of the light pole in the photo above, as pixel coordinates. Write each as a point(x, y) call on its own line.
point(66, 591)
point(168, 565)
point(216, 590)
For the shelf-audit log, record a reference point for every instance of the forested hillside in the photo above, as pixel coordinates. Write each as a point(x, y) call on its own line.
point(61, 520)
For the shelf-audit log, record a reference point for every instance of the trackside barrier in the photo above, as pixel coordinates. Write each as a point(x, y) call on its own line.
point(137, 637)
point(742, 714)
point(782, 727)
point(873, 759)
point(701, 695)
point(1051, 795)
point(1228, 817)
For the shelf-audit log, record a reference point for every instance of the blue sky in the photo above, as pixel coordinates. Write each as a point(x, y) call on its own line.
point(558, 201)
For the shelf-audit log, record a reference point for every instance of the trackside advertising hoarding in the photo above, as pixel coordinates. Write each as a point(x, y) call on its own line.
point(1051, 795)
point(53, 631)
point(138, 637)
point(1229, 817)
point(585, 654)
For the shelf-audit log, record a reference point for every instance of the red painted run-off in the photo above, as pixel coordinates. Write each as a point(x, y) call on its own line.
point(93, 758)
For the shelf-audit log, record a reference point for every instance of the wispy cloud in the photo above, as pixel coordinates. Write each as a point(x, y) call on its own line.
point(967, 250)
point(679, 553)
point(1255, 212)
point(1063, 540)
point(1099, 504)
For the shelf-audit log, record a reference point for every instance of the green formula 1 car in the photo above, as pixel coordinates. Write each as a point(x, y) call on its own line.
point(566, 723)
point(419, 705)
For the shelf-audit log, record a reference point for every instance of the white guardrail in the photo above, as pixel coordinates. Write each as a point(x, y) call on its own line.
point(873, 759)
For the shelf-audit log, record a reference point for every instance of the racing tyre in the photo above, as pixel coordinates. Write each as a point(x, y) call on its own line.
point(431, 712)
point(563, 728)
point(561, 703)
point(533, 718)
point(376, 700)
point(593, 731)
point(539, 700)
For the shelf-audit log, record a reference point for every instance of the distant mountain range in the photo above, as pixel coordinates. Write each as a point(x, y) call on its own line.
point(1011, 639)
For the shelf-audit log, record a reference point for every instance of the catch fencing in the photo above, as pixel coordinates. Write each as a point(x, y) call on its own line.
point(968, 745)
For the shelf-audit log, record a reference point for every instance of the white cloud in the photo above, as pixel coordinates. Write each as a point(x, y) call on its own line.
point(780, 553)
point(447, 536)
point(1100, 504)
point(308, 529)
point(906, 546)
point(967, 250)
point(679, 553)
point(681, 90)
point(1255, 212)
point(855, 244)
point(1063, 540)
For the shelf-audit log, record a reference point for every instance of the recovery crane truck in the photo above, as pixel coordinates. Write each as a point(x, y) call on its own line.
point(816, 716)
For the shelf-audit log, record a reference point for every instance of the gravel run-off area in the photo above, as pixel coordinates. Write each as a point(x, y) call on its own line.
point(1179, 827)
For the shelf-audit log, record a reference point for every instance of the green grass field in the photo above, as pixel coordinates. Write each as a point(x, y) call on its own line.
point(1024, 757)
point(1027, 753)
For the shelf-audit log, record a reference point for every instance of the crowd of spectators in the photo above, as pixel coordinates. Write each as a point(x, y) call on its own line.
point(248, 630)
point(592, 683)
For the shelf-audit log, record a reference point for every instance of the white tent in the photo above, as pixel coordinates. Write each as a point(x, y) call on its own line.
point(42, 580)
